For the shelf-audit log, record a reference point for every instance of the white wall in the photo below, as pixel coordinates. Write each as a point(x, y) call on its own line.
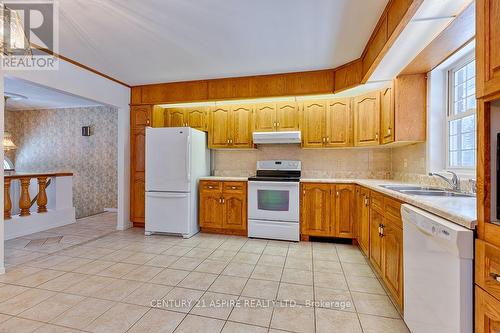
point(80, 82)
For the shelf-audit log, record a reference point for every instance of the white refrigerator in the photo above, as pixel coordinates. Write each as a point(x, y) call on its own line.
point(176, 157)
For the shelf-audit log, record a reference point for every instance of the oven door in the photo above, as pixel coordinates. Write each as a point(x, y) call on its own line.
point(273, 201)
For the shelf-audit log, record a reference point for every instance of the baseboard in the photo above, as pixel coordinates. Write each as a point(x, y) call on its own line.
point(111, 210)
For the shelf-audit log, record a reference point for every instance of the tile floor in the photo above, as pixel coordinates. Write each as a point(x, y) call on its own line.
point(109, 281)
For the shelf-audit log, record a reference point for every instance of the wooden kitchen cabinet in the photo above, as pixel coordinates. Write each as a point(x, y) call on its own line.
point(338, 126)
point(363, 218)
point(241, 126)
point(327, 210)
point(327, 124)
point(387, 115)
point(140, 117)
point(344, 210)
point(314, 119)
point(231, 127)
point(223, 207)
point(487, 48)
point(367, 119)
point(376, 221)
point(487, 316)
point(273, 117)
point(392, 251)
point(287, 116)
point(315, 210)
point(195, 117)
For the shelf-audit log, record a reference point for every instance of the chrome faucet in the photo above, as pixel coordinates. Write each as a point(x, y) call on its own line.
point(454, 182)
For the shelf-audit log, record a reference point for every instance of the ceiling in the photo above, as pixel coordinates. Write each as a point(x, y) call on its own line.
point(152, 41)
point(39, 97)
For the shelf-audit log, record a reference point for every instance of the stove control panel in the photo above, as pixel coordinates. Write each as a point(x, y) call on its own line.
point(279, 165)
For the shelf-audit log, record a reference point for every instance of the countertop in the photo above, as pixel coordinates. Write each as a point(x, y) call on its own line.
point(461, 211)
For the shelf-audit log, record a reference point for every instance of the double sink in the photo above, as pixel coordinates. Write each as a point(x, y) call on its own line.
point(426, 191)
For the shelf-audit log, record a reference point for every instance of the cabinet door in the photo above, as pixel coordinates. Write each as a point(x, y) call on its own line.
point(364, 220)
point(140, 116)
point(235, 211)
point(265, 117)
point(338, 123)
point(316, 209)
point(487, 313)
point(241, 126)
point(376, 219)
point(197, 118)
point(392, 271)
point(487, 47)
point(137, 197)
point(211, 209)
point(287, 116)
point(176, 117)
point(313, 124)
point(367, 119)
point(219, 127)
point(138, 149)
point(344, 210)
point(387, 115)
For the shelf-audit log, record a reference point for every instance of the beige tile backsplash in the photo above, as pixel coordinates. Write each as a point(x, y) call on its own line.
point(322, 163)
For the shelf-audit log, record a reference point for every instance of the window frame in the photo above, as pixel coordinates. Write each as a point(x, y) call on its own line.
point(450, 90)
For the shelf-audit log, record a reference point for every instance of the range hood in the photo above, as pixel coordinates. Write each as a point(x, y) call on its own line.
point(260, 138)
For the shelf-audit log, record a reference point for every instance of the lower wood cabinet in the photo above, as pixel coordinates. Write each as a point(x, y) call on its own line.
point(223, 207)
point(327, 210)
point(386, 243)
point(363, 218)
point(487, 312)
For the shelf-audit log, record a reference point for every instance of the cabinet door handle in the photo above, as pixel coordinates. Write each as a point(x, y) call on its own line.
point(338, 193)
point(389, 130)
point(367, 202)
point(233, 187)
point(324, 139)
point(327, 139)
point(376, 136)
point(278, 124)
point(210, 186)
point(220, 200)
point(223, 201)
point(495, 276)
point(147, 122)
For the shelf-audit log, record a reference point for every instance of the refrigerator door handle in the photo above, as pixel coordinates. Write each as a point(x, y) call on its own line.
point(166, 195)
point(188, 159)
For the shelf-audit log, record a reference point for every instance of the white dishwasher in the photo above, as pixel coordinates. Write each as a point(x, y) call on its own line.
point(438, 284)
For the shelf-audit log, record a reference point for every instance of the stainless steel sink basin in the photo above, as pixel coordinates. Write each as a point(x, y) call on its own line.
point(436, 193)
point(410, 188)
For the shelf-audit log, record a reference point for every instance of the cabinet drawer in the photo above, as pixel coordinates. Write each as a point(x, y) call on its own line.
point(392, 211)
point(377, 202)
point(234, 187)
point(210, 186)
point(488, 267)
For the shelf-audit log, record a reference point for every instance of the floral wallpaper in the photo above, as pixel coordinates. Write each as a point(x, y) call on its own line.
point(51, 141)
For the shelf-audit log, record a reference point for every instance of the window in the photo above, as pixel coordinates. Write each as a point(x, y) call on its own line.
point(461, 117)
point(7, 164)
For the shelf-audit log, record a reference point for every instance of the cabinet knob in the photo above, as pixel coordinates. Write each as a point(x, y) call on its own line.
point(233, 187)
point(147, 122)
point(495, 276)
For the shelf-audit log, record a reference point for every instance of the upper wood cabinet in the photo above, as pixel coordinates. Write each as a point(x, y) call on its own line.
point(265, 117)
point(231, 127)
point(195, 117)
point(241, 126)
point(140, 116)
point(271, 117)
point(287, 116)
point(387, 115)
point(327, 210)
point(487, 47)
point(338, 126)
point(367, 119)
point(219, 127)
point(314, 119)
point(176, 117)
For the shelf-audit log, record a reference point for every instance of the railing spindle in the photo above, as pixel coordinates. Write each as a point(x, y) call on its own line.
point(25, 200)
point(42, 195)
point(7, 203)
